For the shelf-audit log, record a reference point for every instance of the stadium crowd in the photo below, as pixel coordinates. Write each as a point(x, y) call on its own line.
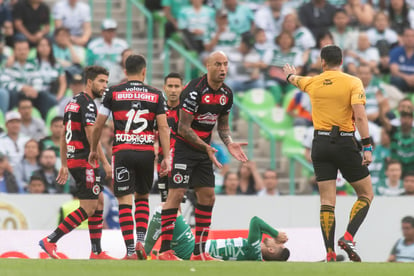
point(43, 50)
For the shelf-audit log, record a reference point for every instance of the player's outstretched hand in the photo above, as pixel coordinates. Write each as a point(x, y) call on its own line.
point(281, 238)
point(212, 155)
point(165, 167)
point(93, 159)
point(62, 176)
point(236, 150)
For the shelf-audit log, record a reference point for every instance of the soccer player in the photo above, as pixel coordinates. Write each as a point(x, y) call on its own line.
point(203, 102)
point(237, 249)
point(338, 105)
point(79, 119)
point(135, 107)
point(173, 84)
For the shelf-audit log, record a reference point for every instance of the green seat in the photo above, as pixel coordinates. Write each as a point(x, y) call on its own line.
point(278, 122)
point(2, 120)
point(292, 142)
point(258, 102)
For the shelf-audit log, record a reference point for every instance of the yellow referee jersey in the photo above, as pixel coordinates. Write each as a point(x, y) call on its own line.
point(332, 95)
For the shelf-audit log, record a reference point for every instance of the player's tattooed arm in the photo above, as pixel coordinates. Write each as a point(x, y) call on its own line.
point(185, 130)
point(223, 129)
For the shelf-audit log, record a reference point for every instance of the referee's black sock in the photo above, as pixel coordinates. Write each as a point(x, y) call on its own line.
point(327, 220)
point(358, 213)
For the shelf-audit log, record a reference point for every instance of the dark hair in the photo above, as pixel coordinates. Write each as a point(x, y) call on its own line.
point(173, 75)
point(91, 72)
point(332, 55)
point(134, 64)
point(279, 37)
point(56, 119)
point(122, 55)
point(322, 35)
point(281, 256)
point(23, 99)
point(409, 173)
point(61, 29)
point(20, 39)
point(391, 162)
point(340, 10)
point(408, 219)
point(394, 24)
point(37, 177)
point(51, 58)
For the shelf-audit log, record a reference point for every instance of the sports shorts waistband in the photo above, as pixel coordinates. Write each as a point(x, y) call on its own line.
point(328, 133)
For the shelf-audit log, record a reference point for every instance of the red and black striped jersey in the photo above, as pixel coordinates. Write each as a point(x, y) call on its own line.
point(134, 108)
point(80, 112)
point(206, 105)
point(172, 119)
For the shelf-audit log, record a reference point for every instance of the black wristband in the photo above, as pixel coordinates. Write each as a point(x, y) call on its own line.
point(366, 141)
point(288, 76)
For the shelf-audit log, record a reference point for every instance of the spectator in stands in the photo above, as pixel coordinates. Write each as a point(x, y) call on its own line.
point(8, 183)
point(12, 144)
point(53, 141)
point(317, 16)
point(107, 139)
point(223, 38)
point(275, 59)
point(52, 73)
point(270, 18)
point(261, 44)
point(250, 179)
point(408, 183)
point(313, 56)
point(380, 156)
point(231, 184)
point(361, 14)
point(364, 54)
point(4, 94)
point(31, 19)
point(36, 185)
point(304, 39)
point(343, 34)
point(244, 71)
point(171, 9)
point(392, 185)
point(383, 38)
point(374, 92)
point(67, 55)
point(48, 171)
point(77, 85)
point(240, 16)
point(404, 104)
point(29, 163)
point(106, 50)
point(403, 250)
point(32, 127)
point(401, 16)
point(402, 62)
point(270, 184)
point(196, 22)
point(76, 16)
point(6, 21)
point(118, 74)
point(23, 79)
point(402, 138)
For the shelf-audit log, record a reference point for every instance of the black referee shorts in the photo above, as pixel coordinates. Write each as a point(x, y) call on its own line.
point(344, 155)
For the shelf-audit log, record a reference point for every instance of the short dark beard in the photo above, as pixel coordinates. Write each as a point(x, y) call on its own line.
point(96, 95)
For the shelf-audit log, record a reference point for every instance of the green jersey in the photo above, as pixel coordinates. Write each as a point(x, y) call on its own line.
point(237, 249)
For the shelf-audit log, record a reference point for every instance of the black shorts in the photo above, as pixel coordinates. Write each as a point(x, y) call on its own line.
point(132, 171)
point(344, 155)
point(88, 182)
point(190, 168)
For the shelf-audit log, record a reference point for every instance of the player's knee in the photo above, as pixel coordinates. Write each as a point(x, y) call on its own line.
point(176, 195)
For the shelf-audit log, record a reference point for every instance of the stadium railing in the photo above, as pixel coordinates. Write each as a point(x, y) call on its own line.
point(292, 162)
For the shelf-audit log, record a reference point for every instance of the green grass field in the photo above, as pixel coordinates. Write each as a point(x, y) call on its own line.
point(49, 267)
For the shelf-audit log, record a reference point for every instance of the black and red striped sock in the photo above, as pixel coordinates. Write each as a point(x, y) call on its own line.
point(202, 228)
point(141, 218)
point(126, 221)
point(168, 218)
point(70, 222)
point(95, 224)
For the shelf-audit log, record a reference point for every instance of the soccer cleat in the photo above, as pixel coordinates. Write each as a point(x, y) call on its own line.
point(49, 248)
point(131, 257)
point(101, 256)
point(331, 257)
point(204, 257)
point(349, 248)
point(139, 249)
point(168, 255)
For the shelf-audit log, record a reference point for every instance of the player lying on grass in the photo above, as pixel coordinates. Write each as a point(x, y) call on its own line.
point(238, 249)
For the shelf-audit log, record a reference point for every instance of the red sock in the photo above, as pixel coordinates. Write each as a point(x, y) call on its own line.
point(168, 218)
point(95, 225)
point(141, 218)
point(70, 222)
point(126, 222)
point(202, 228)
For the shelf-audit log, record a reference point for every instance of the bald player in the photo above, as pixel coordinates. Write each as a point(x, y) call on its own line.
point(203, 102)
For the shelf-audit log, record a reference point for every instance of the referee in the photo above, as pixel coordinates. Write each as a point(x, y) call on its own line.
point(338, 101)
